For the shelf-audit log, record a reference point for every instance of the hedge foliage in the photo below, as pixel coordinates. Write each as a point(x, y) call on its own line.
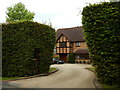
point(101, 23)
point(71, 58)
point(27, 48)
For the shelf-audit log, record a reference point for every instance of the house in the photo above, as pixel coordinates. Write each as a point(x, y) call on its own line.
point(71, 40)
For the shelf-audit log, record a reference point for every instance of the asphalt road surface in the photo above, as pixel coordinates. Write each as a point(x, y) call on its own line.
point(68, 76)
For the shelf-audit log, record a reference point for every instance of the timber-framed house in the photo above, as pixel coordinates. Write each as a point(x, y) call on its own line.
point(71, 40)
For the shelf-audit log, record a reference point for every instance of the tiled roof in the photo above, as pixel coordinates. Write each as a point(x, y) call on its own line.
point(73, 34)
point(81, 51)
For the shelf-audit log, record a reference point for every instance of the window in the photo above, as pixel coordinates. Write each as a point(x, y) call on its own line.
point(71, 44)
point(63, 44)
point(78, 44)
point(54, 50)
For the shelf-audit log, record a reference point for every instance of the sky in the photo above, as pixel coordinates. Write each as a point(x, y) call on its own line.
point(61, 13)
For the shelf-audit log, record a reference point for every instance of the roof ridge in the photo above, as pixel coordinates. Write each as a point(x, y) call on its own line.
point(70, 28)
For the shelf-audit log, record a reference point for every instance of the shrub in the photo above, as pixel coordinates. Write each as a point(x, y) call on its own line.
point(27, 48)
point(80, 62)
point(84, 62)
point(88, 62)
point(56, 57)
point(71, 58)
point(76, 62)
point(102, 32)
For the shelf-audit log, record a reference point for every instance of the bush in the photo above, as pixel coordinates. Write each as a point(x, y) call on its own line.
point(71, 58)
point(88, 62)
point(84, 62)
point(76, 62)
point(80, 62)
point(27, 48)
point(102, 32)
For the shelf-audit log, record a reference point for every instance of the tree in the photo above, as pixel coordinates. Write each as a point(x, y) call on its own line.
point(71, 58)
point(18, 12)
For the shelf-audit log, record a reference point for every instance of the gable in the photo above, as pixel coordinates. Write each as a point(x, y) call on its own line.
point(62, 38)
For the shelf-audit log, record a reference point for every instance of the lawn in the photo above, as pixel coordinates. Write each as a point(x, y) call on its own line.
point(52, 69)
point(91, 69)
point(12, 78)
point(107, 86)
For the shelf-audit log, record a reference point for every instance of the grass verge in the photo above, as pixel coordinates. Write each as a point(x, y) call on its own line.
point(12, 78)
point(52, 69)
point(107, 86)
point(91, 69)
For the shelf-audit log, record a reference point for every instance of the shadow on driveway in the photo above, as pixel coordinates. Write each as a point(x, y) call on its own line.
point(8, 85)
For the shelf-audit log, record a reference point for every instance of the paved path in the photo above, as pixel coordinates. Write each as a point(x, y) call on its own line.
point(68, 76)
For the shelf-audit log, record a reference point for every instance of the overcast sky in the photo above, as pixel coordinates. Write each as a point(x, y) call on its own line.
point(61, 13)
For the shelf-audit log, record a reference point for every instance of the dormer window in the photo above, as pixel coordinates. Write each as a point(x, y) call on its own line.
point(78, 44)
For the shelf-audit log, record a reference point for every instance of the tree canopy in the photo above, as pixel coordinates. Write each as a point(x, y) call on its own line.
point(18, 12)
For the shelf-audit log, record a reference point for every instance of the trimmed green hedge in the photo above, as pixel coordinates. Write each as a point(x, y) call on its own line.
point(27, 48)
point(101, 23)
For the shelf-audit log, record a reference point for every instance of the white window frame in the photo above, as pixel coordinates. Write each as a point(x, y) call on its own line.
point(77, 44)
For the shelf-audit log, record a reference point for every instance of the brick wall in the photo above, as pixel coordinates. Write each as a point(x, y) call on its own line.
point(82, 45)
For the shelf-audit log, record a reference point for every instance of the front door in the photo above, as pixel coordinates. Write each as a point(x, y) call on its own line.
point(63, 57)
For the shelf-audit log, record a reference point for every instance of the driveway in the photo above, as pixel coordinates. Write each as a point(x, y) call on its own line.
point(68, 76)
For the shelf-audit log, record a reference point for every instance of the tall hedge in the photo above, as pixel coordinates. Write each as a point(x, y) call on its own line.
point(101, 23)
point(27, 48)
